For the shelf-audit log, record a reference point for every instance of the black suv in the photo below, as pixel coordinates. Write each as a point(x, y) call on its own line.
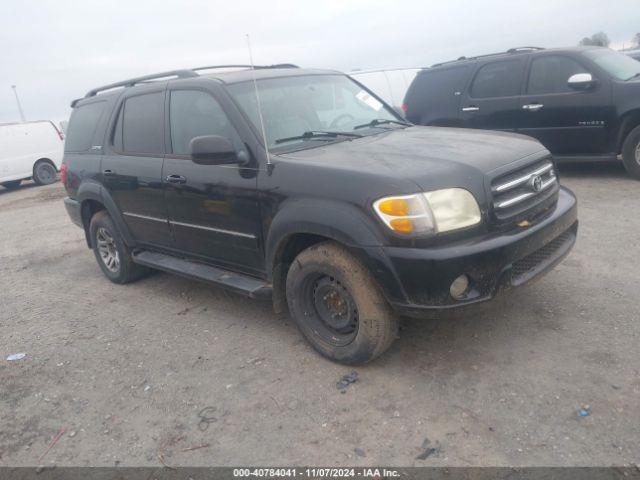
point(304, 187)
point(581, 103)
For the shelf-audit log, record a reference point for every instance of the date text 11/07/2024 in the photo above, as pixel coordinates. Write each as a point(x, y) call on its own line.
point(315, 472)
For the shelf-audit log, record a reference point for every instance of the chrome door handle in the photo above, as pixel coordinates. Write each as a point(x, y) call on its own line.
point(108, 173)
point(472, 108)
point(176, 179)
point(532, 106)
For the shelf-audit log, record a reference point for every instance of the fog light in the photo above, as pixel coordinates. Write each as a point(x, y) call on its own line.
point(459, 287)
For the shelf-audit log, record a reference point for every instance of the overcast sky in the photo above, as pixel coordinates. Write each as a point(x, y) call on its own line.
point(54, 51)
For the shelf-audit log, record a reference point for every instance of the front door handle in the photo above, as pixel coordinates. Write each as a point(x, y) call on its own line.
point(533, 107)
point(176, 179)
point(108, 173)
point(471, 108)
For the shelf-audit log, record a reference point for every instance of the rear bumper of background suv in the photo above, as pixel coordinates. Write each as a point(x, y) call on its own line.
point(422, 277)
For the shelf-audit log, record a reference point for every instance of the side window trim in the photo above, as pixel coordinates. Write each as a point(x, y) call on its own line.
point(480, 66)
point(119, 111)
point(525, 89)
point(168, 142)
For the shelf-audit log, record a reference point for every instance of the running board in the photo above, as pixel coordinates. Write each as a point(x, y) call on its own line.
point(253, 287)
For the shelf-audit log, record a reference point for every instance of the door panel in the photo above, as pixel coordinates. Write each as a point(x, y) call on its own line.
point(132, 167)
point(491, 101)
point(566, 121)
point(213, 210)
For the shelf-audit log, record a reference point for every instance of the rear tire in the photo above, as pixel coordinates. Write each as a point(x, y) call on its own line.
point(113, 256)
point(338, 306)
point(12, 185)
point(44, 173)
point(631, 153)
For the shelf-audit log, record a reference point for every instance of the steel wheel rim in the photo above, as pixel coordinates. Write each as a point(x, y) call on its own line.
point(330, 309)
point(108, 250)
point(45, 173)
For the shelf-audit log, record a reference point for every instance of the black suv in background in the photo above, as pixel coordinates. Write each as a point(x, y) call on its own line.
point(322, 199)
point(581, 103)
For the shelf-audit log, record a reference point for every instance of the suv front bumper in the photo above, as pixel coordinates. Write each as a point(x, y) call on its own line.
point(417, 280)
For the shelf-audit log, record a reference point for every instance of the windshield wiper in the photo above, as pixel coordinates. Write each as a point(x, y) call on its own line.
point(318, 135)
point(381, 121)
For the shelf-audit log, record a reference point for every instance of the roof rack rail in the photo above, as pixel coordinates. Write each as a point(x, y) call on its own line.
point(184, 73)
point(511, 50)
point(257, 67)
point(133, 81)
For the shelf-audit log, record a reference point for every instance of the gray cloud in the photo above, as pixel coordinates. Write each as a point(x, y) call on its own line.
point(55, 50)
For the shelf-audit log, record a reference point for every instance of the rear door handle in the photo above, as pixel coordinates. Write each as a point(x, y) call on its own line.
point(176, 179)
point(471, 108)
point(532, 106)
point(108, 173)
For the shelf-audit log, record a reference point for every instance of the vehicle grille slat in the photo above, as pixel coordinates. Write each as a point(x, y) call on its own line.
point(524, 191)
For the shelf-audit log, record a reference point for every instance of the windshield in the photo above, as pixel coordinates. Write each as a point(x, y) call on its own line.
point(616, 64)
point(295, 107)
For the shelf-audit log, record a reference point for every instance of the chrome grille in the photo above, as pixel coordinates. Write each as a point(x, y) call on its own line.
point(521, 191)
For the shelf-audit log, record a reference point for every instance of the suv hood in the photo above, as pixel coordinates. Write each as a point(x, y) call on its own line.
point(429, 156)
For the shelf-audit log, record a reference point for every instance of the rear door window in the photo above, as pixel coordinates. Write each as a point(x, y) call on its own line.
point(82, 127)
point(498, 79)
point(549, 74)
point(140, 126)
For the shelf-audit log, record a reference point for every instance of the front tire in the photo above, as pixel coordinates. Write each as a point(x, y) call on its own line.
point(338, 306)
point(12, 185)
point(631, 153)
point(44, 173)
point(113, 256)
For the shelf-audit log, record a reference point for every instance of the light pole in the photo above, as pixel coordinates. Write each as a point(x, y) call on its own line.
point(15, 92)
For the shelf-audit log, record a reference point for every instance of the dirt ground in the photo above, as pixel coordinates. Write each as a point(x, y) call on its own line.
point(144, 374)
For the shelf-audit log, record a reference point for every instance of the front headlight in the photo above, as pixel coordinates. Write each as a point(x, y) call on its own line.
point(430, 212)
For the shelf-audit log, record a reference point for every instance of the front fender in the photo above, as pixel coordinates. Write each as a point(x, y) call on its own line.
point(339, 221)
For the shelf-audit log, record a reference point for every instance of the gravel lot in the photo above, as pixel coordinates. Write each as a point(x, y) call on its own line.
point(144, 373)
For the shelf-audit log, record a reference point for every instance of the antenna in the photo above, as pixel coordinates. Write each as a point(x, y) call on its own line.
point(255, 86)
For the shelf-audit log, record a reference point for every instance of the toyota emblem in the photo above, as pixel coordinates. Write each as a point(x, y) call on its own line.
point(536, 183)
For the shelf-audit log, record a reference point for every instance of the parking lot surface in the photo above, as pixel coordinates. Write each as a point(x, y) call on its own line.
point(168, 371)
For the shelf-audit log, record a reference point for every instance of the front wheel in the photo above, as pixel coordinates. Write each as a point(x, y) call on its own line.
point(631, 153)
point(338, 306)
point(113, 256)
point(44, 173)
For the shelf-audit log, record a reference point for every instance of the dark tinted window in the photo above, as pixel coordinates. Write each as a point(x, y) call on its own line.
point(194, 113)
point(498, 79)
point(549, 74)
point(82, 127)
point(143, 124)
point(433, 92)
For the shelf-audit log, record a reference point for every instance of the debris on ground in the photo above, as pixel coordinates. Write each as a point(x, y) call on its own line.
point(428, 450)
point(206, 416)
point(584, 411)
point(359, 452)
point(190, 449)
point(346, 380)
point(16, 356)
point(53, 442)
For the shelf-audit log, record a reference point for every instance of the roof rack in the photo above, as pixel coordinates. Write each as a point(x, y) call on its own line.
point(510, 51)
point(184, 73)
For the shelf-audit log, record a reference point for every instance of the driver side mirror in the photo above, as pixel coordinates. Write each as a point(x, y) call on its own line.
point(212, 150)
point(581, 81)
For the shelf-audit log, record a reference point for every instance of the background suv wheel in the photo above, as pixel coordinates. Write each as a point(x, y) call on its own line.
point(113, 256)
point(44, 173)
point(338, 306)
point(631, 153)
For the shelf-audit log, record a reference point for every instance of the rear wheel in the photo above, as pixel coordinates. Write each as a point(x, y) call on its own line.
point(338, 306)
point(44, 173)
point(631, 153)
point(12, 185)
point(113, 256)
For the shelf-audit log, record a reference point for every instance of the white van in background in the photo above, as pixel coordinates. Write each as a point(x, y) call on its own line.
point(29, 150)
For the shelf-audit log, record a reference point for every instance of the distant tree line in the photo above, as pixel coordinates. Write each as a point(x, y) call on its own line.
point(601, 39)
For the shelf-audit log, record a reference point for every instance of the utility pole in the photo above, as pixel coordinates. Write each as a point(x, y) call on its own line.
point(15, 92)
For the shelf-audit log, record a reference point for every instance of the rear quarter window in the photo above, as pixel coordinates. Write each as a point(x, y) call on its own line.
point(82, 126)
point(433, 92)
